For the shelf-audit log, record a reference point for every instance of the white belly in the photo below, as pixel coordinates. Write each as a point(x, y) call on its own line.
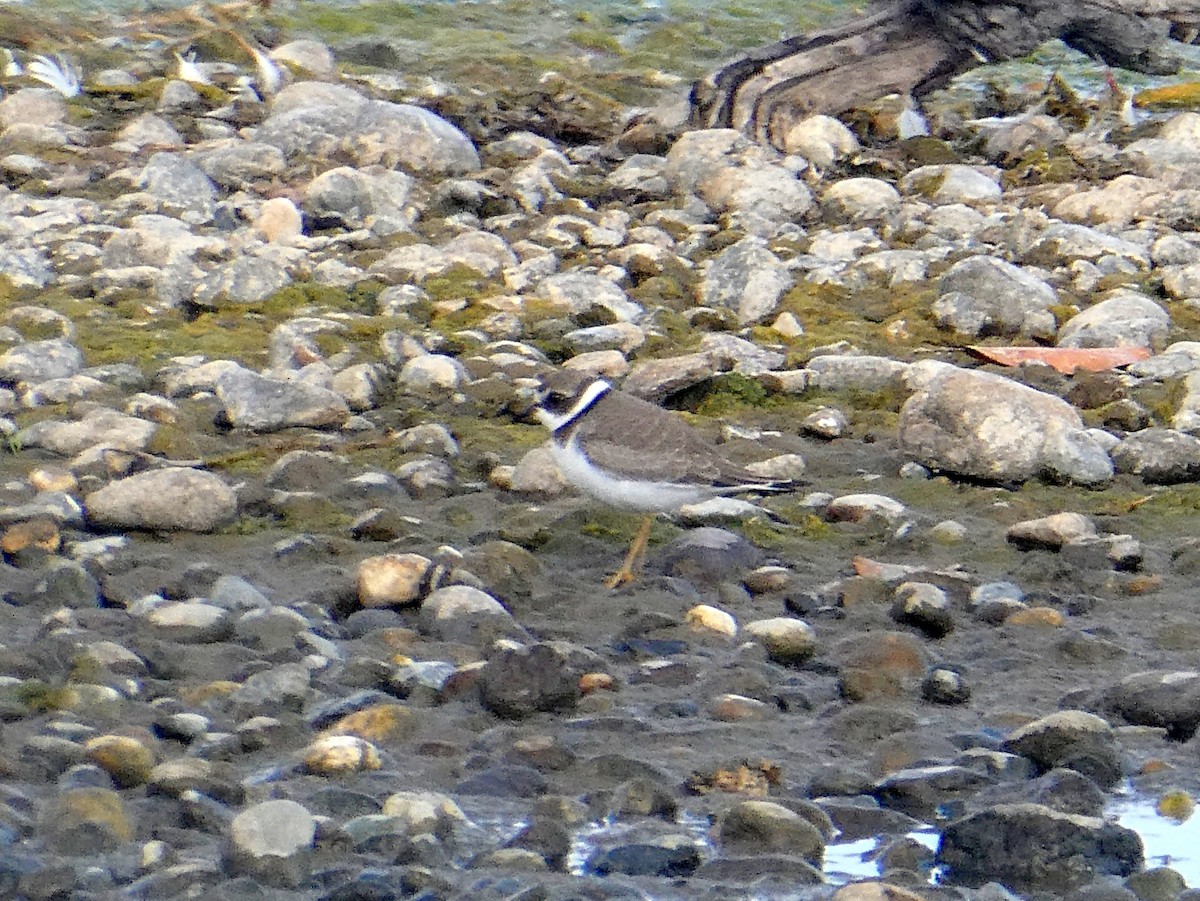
point(648, 497)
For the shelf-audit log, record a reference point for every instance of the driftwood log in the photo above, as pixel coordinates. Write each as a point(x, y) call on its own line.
point(913, 46)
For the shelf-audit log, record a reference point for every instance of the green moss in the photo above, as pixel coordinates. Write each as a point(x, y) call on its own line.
point(458, 517)
point(621, 528)
point(729, 393)
point(765, 534)
point(594, 39)
point(459, 282)
point(499, 438)
point(249, 525)
point(253, 460)
point(43, 697)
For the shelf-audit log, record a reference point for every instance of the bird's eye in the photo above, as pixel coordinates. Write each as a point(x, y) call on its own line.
point(557, 401)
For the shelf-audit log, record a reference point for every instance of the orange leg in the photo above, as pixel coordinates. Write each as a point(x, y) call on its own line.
point(636, 551)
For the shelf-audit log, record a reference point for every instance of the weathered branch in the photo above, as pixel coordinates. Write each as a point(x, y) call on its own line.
point(913, 46)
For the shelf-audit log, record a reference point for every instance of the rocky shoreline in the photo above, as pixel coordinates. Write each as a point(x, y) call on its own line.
point(297, 606)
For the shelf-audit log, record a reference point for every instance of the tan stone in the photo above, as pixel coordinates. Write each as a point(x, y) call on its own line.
point(279, 221)
point(126, 759)
point(381, 723)
point(706, 618)
point(335, 755)
point(391, 579)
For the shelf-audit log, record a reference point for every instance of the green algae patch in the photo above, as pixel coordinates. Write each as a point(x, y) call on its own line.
point(876, 319)
point(1185, 95)
point(492, 438)
point(730, 393)
point(596, 40)
point(621, 528)
point(42, 697)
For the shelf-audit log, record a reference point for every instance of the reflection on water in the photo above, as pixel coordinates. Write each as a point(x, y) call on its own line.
point(1167, 843)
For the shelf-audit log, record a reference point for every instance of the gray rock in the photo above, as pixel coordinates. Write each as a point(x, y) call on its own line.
point(273, 841)
point(25, 267)
point(189, 622)
point(1031, 847)
point(361, 385)
point(311, 125)
point(623, 336)
point(307, 55)
point(40, 361)
point(671, 857)
point(654, 379)
point(1163, 698)
point(1177, 359)
point(924, 606)
point(1123, 318)
point(766, 826)
point(584, 294)
point(952, 183)
point(1051, 532)
point(755, 196)
point(237, 165)
point(304, 470)
point(945, 685)
point(862, 372)
point(742, 356)
point(100, 427)
point(270, 631)
point(1187, 417)
point(988, 296)
point(179, 184)
point(262, 404)
point(1063, 242)
point(827, 423)
point(696, 155)
point(788, 640)
point(245, 279)
point(539, 678)
point(315, 95)
point(1070, 738)
point(980, 425)
point(465, 614)
point(920, 791)
point(537, 474)
point(1076, 456)
point(170, 499)
point(432, 375)
point(235, 593)
point(374, 199)
point(33, 106)
point(709, 554)
point(266, 692)
point(430, 438)
point(1159, 456)
point(859, 199)
point(60, 583)
point(747, 278)
point(642, 174)
point(401, 135)
point(57, 506)
point(822, 140)
point(894, 267)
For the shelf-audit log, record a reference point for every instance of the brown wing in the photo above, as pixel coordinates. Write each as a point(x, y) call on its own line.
point(668, 448)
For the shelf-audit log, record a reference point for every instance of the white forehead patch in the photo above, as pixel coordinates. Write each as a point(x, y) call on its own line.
point(555, 421)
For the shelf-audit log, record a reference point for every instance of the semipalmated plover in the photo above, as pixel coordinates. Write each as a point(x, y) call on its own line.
point(634, 455)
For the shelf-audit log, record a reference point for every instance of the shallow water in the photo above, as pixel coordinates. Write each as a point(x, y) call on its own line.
point(1167, 843)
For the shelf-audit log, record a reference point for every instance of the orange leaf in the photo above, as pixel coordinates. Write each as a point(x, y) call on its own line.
point(1064, 359)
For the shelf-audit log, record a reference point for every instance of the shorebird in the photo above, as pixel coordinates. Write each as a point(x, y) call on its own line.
point(634, 455)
